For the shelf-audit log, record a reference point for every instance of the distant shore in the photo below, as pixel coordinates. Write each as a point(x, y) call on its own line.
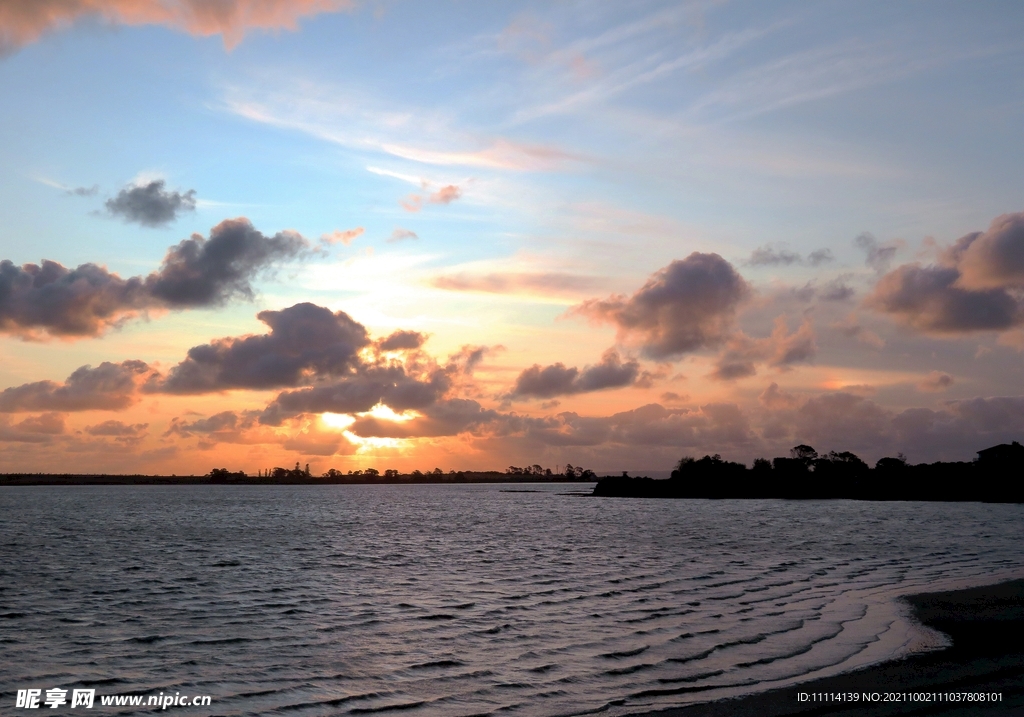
point(986, 625)
point(12, 479)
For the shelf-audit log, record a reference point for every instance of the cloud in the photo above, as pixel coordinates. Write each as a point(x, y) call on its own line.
point(345, 237)
point(549, 283)
point(305, 340)
point(117, 429)
point(768, 256)
point(445, 195)
point(35, 429)
point(150, 204)
point(557, 380)
point(390, 385)
point(402, 340)
point(779, 350)
point(836, 290)
point(929, 299)
point(208, 272)
point(819, 257)
point(400, 234)
point(88, 300)
point(993, 259)
point(774, 398)
point(844, 419)
point(852, 328)
point(25, 21)
point(936, 381)
point(470, 356)
point(108, 387)
point(877, 256)
point(687, 305)
point(444, 418)
point(713, 426)
point(976, 285)
point(66, 302)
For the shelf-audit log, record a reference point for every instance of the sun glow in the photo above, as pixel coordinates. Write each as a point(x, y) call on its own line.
point(338, 421)
point(343, 421)
point(385, 413)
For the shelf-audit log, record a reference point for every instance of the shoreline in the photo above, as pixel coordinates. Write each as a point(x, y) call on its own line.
point(986, 626)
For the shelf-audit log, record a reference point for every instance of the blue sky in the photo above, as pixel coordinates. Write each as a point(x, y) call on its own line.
point(507, 164)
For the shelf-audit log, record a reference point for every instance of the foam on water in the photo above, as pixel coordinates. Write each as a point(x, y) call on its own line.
point(465, 600)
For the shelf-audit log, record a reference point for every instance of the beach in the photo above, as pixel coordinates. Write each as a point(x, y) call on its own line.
point(986, 626)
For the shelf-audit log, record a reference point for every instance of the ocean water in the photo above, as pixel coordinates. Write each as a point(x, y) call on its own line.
point(464, 600)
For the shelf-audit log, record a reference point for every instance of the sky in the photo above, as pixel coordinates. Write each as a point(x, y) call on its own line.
point(411, 235)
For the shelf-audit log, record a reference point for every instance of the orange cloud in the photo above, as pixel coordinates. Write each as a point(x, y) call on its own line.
point(25, 21)
point(338, 236)
point(544, 284)
point(446, 195)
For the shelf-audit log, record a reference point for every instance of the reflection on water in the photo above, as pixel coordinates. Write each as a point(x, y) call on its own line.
point(463, 600)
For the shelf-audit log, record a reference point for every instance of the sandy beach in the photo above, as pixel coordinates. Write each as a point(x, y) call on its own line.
point(986, 625)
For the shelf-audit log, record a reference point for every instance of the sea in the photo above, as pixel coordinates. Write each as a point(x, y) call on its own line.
point(457, 600)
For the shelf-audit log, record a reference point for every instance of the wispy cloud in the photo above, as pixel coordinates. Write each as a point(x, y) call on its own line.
point(357, 123)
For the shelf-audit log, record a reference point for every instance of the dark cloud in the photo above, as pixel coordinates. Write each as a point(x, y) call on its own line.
point(710, 428)
point(836, 290)
point(469, 357)
point(117, 429)
point(66, 302)
point(444, 418)
point(108, 387)
point(730, 369)
point(686, 306)
point(769, 256)
point(557, 380)
point(976, 286)
point(305, 341)
point(226, 426)
point(34, 429)
point(390, 385)
point(150, 204)
point(936, 381)
point(852, 328)
point(819, 257)
point(780, 350)
point(208, 272)
point(878, 256)
point(774, 398)
point(844, 419)
point(88, 300)
point(402, 341)
point(929, 299)
point(993, 259)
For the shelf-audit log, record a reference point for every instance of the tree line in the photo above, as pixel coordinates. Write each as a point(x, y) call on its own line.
point(994, 476)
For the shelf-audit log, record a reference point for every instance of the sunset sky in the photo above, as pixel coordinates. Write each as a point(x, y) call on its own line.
point(249, 233)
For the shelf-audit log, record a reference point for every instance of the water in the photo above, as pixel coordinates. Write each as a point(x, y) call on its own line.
point(464, 600)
